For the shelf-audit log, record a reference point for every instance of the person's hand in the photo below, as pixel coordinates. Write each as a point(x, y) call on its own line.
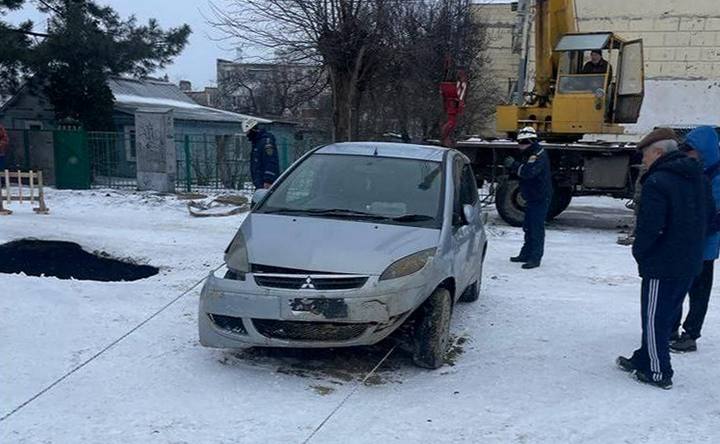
point(509, 161)
point(267, 185)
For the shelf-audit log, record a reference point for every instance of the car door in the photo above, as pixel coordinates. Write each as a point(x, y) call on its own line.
point(465, 237)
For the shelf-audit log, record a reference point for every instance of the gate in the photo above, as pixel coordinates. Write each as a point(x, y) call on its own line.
point(72, 160)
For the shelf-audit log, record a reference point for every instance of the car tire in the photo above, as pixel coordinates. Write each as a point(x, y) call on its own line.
point(431, 337)
point(562, 196)
point(472, 293)
point(509, 203)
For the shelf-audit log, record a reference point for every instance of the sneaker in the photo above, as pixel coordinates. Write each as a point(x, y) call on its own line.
point(625, 364)
point(665, 383)
point(530, 265)
point(626, 241)
point(683, 344)
point(518, 259)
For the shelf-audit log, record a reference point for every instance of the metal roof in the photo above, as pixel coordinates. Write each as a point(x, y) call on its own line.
point(386, 149)
point(147, 94)
point(583, 42)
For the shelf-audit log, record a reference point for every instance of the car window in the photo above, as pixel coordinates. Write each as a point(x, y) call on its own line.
point(381, 188)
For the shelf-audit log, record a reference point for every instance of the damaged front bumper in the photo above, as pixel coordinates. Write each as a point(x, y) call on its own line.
point(236, 313)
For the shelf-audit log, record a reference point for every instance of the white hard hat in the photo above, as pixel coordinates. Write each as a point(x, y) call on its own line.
point(526, 133)
point(249, 124)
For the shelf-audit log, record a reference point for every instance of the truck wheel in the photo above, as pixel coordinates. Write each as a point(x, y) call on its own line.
point(509, 203)
point(432, 330)
point(560, 201)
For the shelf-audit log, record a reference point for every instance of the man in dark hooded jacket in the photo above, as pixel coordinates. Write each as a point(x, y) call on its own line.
point(669, 242)
point(701, 144)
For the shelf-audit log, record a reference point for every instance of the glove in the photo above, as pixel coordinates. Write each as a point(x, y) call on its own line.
point(509, 161)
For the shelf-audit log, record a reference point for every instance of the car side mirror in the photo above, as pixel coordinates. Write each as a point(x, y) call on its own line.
point(471, 214)
point(258, 195)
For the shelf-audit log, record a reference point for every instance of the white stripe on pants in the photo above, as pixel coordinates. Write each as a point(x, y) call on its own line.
point(654, 287)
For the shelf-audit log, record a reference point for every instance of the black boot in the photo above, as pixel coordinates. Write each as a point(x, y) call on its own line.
point(683, 344)
point(665, 383)
point(530, 265)
point(519, 258)
point(625, 364)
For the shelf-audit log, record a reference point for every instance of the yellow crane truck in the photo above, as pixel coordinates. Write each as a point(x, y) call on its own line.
point(565, 104)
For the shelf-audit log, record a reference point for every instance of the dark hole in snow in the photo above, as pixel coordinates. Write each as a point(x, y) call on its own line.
point(67, 260)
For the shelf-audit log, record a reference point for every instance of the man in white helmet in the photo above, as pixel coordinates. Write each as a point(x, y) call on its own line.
point(533, 170)
point(264, 162)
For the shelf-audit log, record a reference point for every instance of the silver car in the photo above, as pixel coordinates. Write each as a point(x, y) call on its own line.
point(352, 241)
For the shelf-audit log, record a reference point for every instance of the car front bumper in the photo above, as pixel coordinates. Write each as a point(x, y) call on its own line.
point(240, 313)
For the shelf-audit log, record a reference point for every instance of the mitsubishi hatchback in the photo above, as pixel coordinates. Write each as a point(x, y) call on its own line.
point(354, 240)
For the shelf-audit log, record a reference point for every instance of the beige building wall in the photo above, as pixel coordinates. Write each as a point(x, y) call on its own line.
point(499, 20)
point(682, 53)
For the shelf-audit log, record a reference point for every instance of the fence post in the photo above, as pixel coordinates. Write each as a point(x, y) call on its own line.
point(26, 147)
point(188, 171)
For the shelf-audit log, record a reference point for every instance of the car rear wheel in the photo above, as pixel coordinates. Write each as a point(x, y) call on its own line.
point(472, 293)
point(432, 330)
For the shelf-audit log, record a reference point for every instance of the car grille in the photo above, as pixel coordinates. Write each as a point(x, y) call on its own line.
point(228, 323)
point(308, 331)
point(327, 282)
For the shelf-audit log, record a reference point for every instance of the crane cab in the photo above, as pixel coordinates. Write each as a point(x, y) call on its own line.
point(584, 101)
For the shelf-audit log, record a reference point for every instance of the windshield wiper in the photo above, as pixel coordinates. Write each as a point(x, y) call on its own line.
point(412, 218)
point(333, 212)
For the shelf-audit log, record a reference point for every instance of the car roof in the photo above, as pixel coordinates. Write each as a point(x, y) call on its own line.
point(386, 149)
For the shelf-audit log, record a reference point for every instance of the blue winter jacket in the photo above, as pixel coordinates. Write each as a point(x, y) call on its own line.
point(533, 170)
point(264, 162)
point(704, 140)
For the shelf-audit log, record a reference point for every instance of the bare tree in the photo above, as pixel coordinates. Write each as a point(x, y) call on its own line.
point(435, 40)
point(384, 55)
point(347, 37)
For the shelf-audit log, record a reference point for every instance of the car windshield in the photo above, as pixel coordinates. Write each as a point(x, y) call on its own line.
point(378, 189)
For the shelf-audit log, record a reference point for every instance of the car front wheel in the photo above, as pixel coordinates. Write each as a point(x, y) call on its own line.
point(432, 331)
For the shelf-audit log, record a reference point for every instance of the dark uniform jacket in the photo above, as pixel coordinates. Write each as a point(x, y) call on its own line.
point(675, 212)
point(264, 163)
point(533, 170)
point(601, 68)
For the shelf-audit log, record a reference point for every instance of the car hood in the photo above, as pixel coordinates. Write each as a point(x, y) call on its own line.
point(331, 245)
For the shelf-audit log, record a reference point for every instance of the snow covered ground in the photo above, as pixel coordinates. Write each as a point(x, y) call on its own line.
point(534, 361)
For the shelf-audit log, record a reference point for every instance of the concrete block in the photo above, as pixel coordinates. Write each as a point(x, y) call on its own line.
point(712, 24)
point(688, 54)
point(660, 54)
point(703, 38)
point(677, 39)
point(652, 39)
point(641, 24)
point(711, 54)
point(692, 24)
point(666, 24)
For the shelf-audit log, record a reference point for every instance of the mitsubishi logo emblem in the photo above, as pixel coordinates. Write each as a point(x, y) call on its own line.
point(308, 285)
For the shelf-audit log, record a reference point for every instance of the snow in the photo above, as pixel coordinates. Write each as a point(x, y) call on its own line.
point(537, 366)
point(130, 99)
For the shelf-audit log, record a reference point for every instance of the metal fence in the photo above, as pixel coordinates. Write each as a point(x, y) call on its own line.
point(217, 162)
point(205, 162)
point(113, 162)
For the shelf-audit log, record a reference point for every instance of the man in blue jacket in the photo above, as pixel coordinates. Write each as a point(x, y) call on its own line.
point(668, 247)
point(264, 163)
point(536, 188)
point(701, 144)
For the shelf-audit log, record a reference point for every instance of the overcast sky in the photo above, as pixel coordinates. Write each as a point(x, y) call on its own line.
point(197, 61)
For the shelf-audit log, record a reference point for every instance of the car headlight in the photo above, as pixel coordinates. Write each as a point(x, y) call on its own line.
point(236, 254)
point(408, 265)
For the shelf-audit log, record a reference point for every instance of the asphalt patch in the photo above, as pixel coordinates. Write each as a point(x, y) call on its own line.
point(67, 260)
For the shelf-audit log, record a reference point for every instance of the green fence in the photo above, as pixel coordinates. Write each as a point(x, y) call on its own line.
point(213, 162)
point(112, 159)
